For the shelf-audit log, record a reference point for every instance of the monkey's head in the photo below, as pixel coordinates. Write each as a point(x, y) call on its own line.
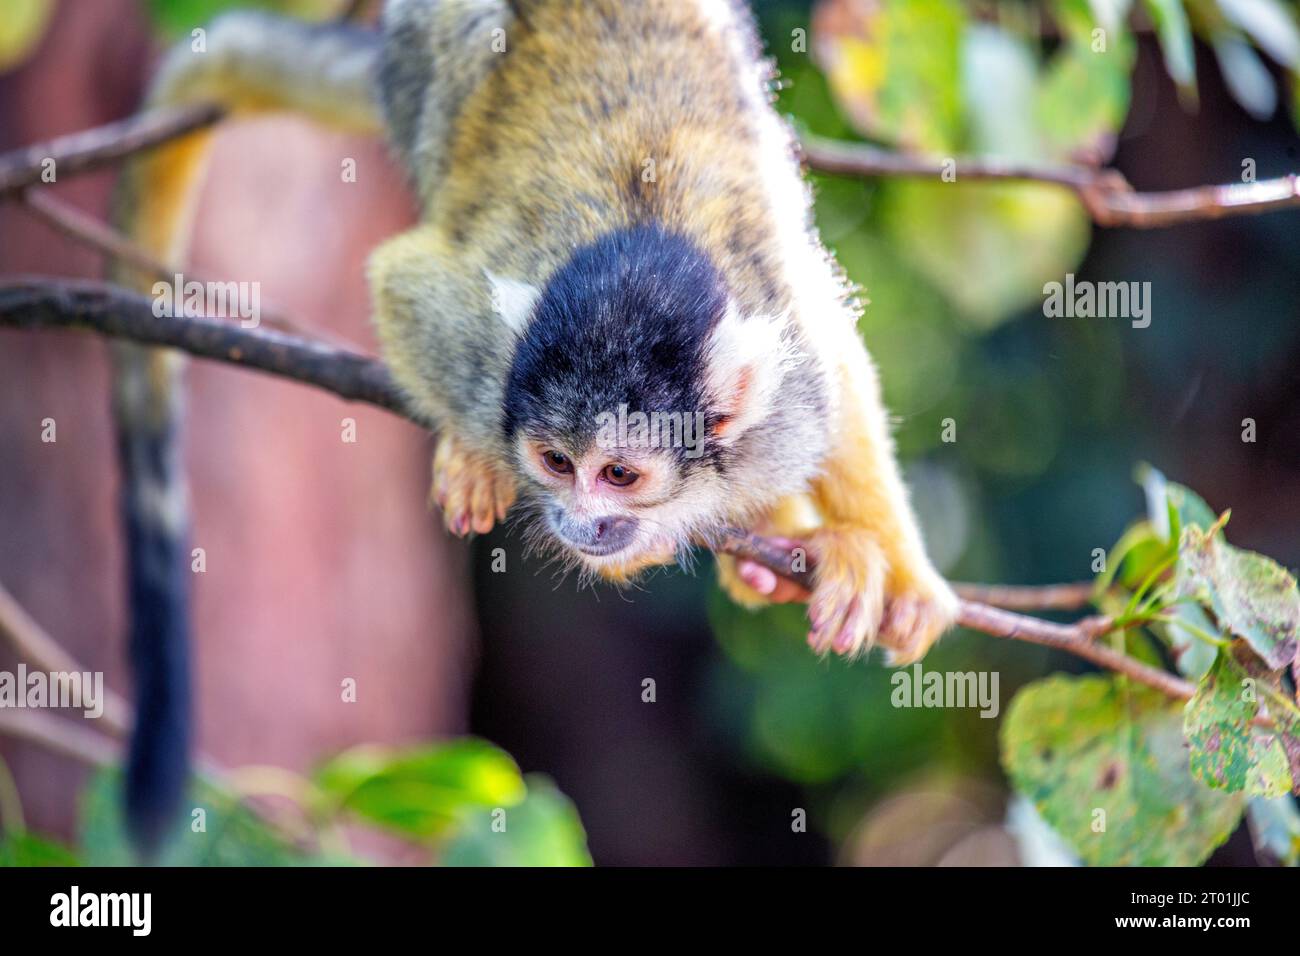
point(639, 403)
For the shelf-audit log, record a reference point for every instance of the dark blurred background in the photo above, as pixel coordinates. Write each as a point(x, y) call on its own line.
point(325, 562)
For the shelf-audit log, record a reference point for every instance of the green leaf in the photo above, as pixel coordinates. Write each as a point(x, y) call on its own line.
point(1110, 14)
point(1295, 99)
point(1171, 506)
point(998, 82)
point(1227, 751)
point(1084, 96)
point(422, 791)
point(1249, 594)
point(894, 67)
point(1175, 35)
point(22, 24)
point(1270, 24)
point(543, 830)
point(232, 835)
point(176, 18)
point(28, 849)
point(1103, 762)
point(988, 246)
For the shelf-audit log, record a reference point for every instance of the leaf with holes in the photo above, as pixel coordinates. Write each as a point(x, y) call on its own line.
point(1228, 750)
point(1252, 596)
point(1104, 763)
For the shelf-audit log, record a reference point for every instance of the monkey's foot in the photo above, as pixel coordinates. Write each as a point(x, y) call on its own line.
point(469, 488)
point(848, 598)
point(916, 616)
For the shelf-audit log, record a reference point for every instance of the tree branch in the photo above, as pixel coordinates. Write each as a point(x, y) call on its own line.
point(59, 735)
point(43, 303)
point(101, 146)
point(34, 303)
point(1107, 196)
point(32, 644)
point(95, 234)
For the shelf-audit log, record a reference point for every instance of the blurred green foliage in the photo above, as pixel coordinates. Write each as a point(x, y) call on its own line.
point(461, 803)
point(943, 267)
point(947, 270)
point(176, 18)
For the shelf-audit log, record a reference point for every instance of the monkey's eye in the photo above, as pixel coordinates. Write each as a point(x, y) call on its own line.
point(557, 463)
point(619, 475)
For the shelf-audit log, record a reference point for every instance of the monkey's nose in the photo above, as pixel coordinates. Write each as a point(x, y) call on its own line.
point(612, 531)
point(603, 535)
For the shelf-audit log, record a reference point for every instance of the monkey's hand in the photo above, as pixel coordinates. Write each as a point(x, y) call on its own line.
point(859, 596)
point(472, 491)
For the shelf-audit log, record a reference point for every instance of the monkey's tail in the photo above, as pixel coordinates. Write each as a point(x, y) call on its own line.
point(245, 62)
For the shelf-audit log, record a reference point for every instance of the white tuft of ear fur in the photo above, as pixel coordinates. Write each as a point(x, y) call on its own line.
point(513, 300)
point(745, 362)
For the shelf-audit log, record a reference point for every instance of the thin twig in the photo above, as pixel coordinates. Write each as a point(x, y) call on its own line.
point(1108, 197)
point(62, 736)
point(52, 303)
point(86, 229)
point(33, 645)
point(1048, 597)
point(1079, 638)
point(117, 246)
point(28, 302)
point(1105, 193)
point(100, 146)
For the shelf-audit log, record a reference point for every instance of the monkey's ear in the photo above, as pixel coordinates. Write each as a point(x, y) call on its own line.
point(745, 361)
point(512, 300)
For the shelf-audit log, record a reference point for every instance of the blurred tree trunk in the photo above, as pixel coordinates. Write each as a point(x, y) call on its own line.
point(322, 561)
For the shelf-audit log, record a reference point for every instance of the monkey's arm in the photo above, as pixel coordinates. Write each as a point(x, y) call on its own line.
point(874, 580)
point(872, 560)
point(450, 349)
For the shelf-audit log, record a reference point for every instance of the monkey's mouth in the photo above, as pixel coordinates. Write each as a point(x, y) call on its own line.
point(621, 564)
point(601, 550)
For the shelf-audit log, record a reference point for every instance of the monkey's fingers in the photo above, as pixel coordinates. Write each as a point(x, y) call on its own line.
point(469, 489)
point(848, 600)
point(915, 619)
point(772, 586)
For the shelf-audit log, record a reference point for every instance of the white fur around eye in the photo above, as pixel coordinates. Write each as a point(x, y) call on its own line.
point(746, 362)
point(513, 300)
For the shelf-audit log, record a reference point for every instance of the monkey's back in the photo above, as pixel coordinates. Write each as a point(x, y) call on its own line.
point(603, 114)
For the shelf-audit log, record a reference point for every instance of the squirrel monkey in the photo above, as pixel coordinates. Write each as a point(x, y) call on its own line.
point(614, 227)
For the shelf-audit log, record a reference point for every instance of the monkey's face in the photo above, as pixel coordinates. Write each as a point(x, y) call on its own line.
point(614, 510)
point(636, 396)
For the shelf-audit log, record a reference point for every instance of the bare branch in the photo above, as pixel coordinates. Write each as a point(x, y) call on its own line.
point(60, 735)
point(89, 231)
point(101, 146)
point(1079, 638)
point(1105, 193)
point(1049, 597)
point(52, 303)
point(118, 247)
point(32, 644)
point(28, 302)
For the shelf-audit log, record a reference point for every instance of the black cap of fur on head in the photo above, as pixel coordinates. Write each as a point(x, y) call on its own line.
point(626, 321)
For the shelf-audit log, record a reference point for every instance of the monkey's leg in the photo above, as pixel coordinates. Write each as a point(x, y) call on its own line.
point(873, 578)
point(450, 352)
